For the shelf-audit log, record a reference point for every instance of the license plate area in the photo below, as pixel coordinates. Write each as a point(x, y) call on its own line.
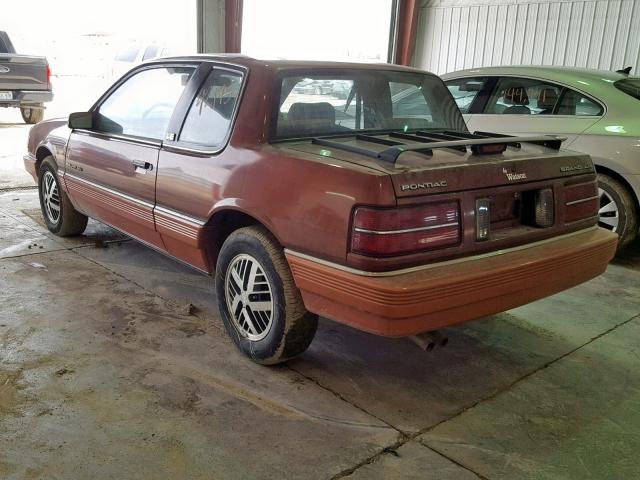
point(6, 95)
point(511, 213)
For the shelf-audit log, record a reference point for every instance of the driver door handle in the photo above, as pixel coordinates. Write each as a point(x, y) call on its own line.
point(140, 164)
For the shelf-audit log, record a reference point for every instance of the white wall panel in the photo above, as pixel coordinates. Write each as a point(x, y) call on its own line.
point(457, 34)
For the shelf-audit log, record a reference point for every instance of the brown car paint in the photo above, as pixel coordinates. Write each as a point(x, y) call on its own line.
point(306, 197)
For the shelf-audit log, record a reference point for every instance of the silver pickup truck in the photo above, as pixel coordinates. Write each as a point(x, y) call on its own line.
point(24, 81)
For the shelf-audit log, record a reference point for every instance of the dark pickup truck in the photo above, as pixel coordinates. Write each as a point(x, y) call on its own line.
point(25, 81)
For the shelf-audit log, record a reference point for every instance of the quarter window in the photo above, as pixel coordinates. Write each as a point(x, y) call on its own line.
point(574, 103)
point(465, 91)
point(209, 118)
point(142, 106)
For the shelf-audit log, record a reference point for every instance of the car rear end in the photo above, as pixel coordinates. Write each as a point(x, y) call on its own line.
point(24, 80)
point(473, 236)
point(480, 223)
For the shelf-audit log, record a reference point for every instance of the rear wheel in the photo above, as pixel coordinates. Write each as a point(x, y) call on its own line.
point(258, 300)
point(617, 211)
point(32, 115)
point(58, 212)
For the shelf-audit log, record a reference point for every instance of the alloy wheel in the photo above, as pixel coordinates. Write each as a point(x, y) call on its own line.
point(51, 197)
point(249, 297)
point(608, 212)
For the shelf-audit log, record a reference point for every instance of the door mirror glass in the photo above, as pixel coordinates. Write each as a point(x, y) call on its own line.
point(81, 120)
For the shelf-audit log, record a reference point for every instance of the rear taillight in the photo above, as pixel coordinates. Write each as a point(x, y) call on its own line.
point(405, 230)
point(581, 202)
point(48, 75)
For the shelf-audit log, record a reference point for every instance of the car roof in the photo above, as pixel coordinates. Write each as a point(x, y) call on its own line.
point(279, 64)
point(580, 78)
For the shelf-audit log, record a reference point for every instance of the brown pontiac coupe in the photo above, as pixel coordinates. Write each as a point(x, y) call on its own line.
point(363, 199)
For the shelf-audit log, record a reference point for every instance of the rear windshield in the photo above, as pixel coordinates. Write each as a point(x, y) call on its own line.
point(356, 101)
point(630, 86)
point(5, 44)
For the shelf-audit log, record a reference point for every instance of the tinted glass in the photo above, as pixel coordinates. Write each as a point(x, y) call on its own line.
point(150, 52)
point(142, 106)
point(407, 100)
point(209, 118)
point(523, 96)
point(630, 86)
point(574, 103)
point(465, 90)
point(319, 103)
point(128, 55)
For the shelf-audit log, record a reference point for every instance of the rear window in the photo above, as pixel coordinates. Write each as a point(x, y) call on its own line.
point(630, 86)
point(5, 44)
point(316, 103)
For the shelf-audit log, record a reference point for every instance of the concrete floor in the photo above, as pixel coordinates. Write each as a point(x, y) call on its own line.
point(108, 371)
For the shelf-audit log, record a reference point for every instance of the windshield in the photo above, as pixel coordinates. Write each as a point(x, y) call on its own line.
point(630, 86)
point(355, 101)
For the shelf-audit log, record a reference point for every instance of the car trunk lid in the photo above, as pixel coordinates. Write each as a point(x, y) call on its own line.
point(455, 168)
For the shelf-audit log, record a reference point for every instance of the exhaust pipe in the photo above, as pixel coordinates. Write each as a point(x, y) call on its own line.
point(429, 340)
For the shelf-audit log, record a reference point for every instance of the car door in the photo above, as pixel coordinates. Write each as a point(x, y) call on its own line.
point(528, 106)
point(111, 168)
point(194, 169)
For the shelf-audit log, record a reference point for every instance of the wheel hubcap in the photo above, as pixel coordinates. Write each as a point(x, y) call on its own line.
point(51, 197)
point(608, 212)
point(249, 298)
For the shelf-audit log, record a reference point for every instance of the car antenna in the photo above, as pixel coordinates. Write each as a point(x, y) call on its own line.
point(624, 71)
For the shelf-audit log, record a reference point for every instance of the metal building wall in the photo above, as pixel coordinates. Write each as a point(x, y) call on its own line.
point(456, 34)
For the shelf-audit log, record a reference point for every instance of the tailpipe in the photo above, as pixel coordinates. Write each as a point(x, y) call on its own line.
point(429, 340)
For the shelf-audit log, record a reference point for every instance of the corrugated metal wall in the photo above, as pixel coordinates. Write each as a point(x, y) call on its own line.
point(589, 33)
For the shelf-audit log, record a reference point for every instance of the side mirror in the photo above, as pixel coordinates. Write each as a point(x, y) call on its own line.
point(82, 120)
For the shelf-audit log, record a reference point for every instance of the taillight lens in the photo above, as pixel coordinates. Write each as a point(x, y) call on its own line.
point(48, 75)
point(385, 232)
point(581, 201)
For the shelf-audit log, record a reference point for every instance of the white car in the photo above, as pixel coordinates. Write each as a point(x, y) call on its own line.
point(598, 111)
point(135, 53)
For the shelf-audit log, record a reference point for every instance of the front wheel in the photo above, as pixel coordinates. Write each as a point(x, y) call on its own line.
point(617, 210)
point(32, 115)
point(260, 305)
point(58, 212)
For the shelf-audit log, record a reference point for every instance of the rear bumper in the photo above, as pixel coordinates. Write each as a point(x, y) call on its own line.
point(27, 98)
point(434, 296)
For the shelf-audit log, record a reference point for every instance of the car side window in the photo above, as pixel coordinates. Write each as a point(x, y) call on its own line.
point(209, 118)
point(465, 90)
point(574, 103)
point(523, 96)
point(142, 106)
point(150, 52)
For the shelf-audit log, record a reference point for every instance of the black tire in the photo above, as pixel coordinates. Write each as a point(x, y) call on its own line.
point(627, 214)
point(290, 328)
point(68, 221)
point(32, 115)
